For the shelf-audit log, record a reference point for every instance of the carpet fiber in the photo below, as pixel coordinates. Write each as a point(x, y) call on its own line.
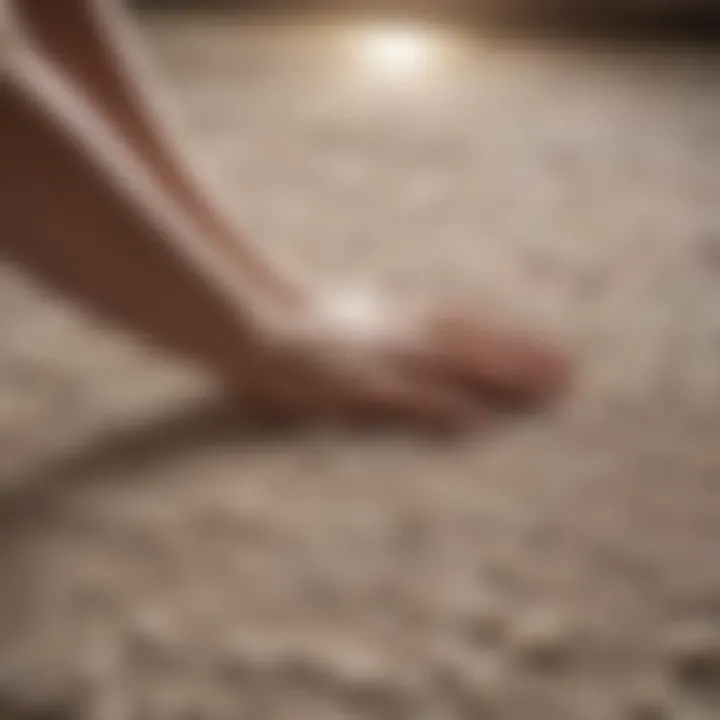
point(163, 558)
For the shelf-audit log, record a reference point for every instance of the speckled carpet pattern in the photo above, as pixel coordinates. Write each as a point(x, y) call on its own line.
point(162, 558)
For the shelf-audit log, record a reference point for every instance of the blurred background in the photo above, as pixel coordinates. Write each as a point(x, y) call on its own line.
point(622, 16)
point(161, 557)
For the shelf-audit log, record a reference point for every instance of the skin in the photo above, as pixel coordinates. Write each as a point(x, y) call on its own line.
point(98, 202)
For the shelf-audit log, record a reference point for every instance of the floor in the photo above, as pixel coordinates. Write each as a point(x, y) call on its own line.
point(161, 557)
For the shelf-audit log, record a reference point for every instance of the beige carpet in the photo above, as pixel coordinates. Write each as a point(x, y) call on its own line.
point(162, 559)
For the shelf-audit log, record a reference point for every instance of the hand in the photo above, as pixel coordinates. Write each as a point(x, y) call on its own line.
point(356, 359)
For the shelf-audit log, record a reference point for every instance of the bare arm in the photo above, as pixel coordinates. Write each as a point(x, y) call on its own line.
point(90, 206)
point(80, 212)
point(93, 43)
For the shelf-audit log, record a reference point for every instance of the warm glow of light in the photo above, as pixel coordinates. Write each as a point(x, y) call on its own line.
point(397, 51)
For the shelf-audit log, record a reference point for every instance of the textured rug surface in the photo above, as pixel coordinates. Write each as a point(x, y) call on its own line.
point(160, 558)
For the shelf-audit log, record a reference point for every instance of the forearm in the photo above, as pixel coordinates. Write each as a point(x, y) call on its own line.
point(78, 212)
point(92, 41)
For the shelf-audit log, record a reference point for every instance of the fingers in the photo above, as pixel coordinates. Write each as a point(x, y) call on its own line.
point(510, 366)
point(446, 373)
point(421, 402)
